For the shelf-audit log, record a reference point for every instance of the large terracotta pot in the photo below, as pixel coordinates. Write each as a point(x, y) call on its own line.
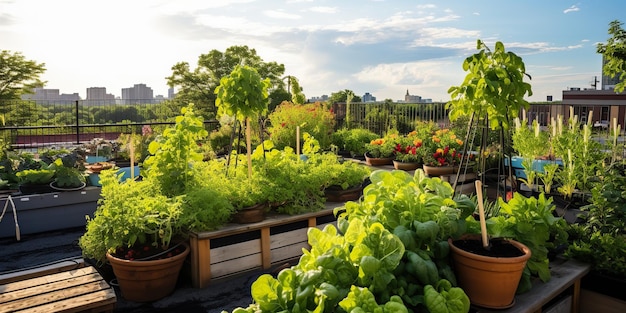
point(489, 281)
point(434, 171)
point(406, 166)
point(378, 161)
point(146, 281)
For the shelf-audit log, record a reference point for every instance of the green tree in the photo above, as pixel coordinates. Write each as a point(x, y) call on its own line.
point(614, 53)
point(198, 85)
point(18, 75)
point(342, 96)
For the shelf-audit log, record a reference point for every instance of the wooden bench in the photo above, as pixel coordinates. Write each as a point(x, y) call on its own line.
point(77, 290)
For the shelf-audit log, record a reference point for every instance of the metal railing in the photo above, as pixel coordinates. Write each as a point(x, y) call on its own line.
point(35, 123)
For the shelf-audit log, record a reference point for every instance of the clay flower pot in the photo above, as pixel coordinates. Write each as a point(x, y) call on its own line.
point(406, 166)
point(378, 161)
point(147, 281)
point(489, 281)
point(434, 171)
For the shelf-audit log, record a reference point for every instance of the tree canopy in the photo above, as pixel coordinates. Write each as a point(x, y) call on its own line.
point(614, 53)
point(18, 75)
point(198, 85)
point(342, 96)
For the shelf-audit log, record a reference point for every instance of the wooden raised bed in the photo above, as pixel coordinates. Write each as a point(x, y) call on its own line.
point(238, 248)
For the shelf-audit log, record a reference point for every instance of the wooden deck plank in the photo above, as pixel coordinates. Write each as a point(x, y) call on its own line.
point(37, 281)
point(38, 290)
point(42, 271)
point(99, 301)
point(50, 297)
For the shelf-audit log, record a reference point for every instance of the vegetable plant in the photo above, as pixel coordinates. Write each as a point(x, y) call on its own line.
point(494, 86)
point(243, 94)
point(385, 252)
point(530, 221)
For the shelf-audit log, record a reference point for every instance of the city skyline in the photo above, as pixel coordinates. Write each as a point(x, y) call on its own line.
point(375, 46)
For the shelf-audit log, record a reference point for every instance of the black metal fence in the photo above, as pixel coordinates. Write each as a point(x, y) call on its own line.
point(34, 124)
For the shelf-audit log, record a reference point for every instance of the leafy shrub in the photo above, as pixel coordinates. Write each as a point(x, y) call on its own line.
point(312, 118)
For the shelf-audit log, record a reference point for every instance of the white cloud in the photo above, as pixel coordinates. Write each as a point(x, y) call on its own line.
point(324, 9)
point(573, 8)
point(281, 15)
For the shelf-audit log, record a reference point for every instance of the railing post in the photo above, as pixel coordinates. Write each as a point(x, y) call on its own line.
point(77, 125)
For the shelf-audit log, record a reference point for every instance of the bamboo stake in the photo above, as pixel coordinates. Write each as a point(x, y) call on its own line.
point(481, 213)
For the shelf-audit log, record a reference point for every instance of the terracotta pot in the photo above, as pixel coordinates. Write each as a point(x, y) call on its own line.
point(406, 166)
point(439, 170)
point(251, 214)
point(378, 161)
point(146, 281)
point(489, 281)
point(336, 194)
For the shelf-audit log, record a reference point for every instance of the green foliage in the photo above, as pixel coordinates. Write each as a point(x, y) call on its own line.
point(353, 140)
point(339, 271)
point(297, 96)
point(601, 238)
point(130, 212)
point(614, 53)
point(242, 94)
point(66, 175)
point(494, 86)
point(312, 118)
point(443, 298)
point(174, 154)
point(198, 85)
point(35, 176)
point(530, 144)
point(18, 75)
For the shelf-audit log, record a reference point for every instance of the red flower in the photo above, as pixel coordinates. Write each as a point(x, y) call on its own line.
point(283, 124)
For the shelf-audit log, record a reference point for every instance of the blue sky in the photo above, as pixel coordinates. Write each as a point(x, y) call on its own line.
point(376, 46)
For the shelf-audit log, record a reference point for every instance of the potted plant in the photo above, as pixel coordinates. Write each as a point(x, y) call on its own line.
point(380, 151)
point(68, 173)
point(408, 152)
point(529, 225)
point(353, 141)
point(133, 228)
point(442, 153)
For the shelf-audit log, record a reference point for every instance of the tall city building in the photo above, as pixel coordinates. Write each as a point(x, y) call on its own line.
point(137, 93)
point(367, 97)
point(99, 95)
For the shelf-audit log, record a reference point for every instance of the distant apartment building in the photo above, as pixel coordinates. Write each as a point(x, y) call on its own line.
point(99, 96)
point(408, 98)
point(321, 98)
point(50, 95)
point(171, 93)
point(139, 93)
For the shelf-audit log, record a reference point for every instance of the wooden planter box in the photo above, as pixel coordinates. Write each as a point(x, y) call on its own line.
point(238, 248)
point(50, 211)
